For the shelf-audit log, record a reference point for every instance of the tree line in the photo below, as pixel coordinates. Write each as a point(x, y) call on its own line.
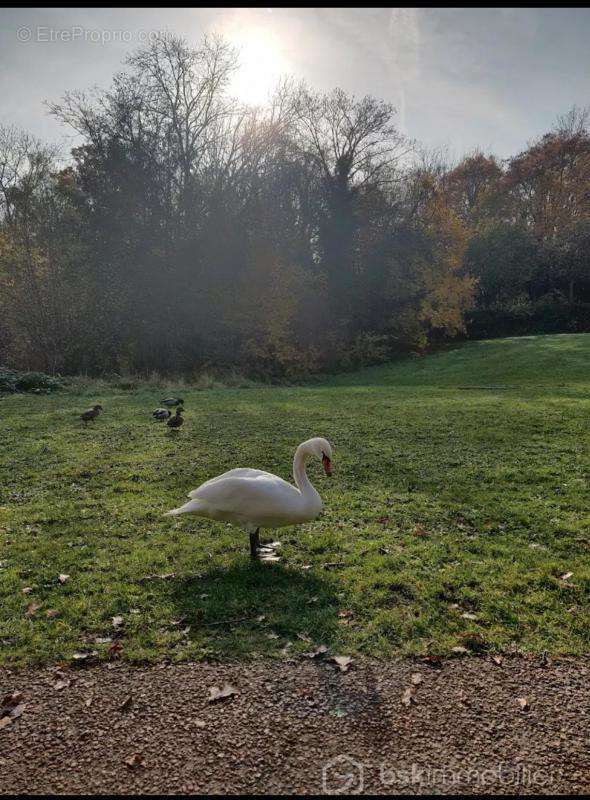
point(189, 231)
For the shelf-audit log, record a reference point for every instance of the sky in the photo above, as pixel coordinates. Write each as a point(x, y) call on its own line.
point(460, 79)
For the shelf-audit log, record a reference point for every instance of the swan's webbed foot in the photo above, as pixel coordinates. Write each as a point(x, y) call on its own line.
point(263, 552)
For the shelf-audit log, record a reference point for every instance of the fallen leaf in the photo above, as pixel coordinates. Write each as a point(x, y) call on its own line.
point(32, 609)
point(62, 684)
point(469, 615)
point(285, 650)
point(126, 704)
point(134, 761)
point(416, 678)
point(343, 662)
point(63, 578)
point(420, 530)
point(102, 640)
point(408, 696)
point(216, 694)
point(319, 651)
point(80, 658)
point(115, 650)
point(9, 703)
point(5, 722)
point(498, 660)
point(459, 649)
point(51, 613)
point(199, 723)
point(116, 622)
point(272, 635)
point(566, 576)
point(17, 711)
point(26, 590)
point(523, 703)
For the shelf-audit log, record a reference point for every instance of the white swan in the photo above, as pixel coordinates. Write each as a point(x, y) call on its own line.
point(254, 499)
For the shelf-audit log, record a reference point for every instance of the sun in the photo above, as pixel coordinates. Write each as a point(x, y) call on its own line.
point(261, 64)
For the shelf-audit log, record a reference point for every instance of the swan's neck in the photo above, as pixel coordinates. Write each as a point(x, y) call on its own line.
point(302, 481)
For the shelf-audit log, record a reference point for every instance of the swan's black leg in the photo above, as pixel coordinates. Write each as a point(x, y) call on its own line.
point(254, 543)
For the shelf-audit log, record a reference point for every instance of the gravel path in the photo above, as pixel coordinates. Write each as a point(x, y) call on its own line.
point(468, 725)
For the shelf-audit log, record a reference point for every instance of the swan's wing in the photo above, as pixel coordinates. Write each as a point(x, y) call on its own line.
point(241, 472)
point(248, 492)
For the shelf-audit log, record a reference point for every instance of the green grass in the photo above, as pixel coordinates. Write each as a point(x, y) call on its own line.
point(495, 480)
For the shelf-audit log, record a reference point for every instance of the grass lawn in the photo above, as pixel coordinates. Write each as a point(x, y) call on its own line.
point(452, 515)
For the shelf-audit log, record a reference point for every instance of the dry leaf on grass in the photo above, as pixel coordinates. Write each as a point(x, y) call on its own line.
point(32, 609)
point(319, 651)
point(115, 650)
point(342, 662)
point(81, 658)
point(116, 622)
point(63, 578)
point(216, 694)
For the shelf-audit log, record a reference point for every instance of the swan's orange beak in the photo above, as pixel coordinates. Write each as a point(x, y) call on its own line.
point(327, 464)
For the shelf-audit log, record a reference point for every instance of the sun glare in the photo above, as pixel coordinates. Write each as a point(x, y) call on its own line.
point(261, 65)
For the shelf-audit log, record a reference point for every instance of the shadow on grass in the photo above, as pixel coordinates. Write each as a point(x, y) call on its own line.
point(241, 610)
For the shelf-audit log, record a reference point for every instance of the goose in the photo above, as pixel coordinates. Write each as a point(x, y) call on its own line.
point(176, 421)
point(161, 413)
point(172, 401)
point(91, 414)
point(253, 499)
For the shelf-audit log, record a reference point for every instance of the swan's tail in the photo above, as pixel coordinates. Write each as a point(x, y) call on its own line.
point(187, 508)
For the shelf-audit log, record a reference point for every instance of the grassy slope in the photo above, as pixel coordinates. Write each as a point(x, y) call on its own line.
point(495, 479)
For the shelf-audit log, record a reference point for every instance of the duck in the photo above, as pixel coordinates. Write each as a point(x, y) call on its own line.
point(177, 420)
point(253, 499)
point(161, 413)
point(91, 414)
point(172, 401)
